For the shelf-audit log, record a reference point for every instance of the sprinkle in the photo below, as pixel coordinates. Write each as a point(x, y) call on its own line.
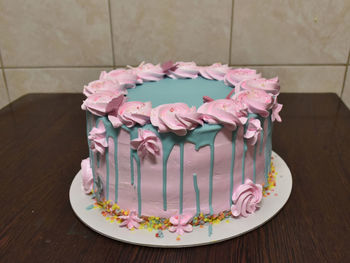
point(178, 238)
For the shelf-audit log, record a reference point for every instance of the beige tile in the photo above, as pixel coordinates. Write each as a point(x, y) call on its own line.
point(283, 32)
point(23, 81)
point(3, 94)
point(346, 93)
point(156, 31)
point(55, 33)
point(307, 78)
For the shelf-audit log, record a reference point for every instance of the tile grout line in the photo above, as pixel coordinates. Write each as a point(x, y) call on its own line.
point(111, 31)
point(4, 77)
point(345, 76)
point(231, 30)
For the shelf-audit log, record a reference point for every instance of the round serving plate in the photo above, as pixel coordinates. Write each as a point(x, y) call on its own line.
point(230, 228)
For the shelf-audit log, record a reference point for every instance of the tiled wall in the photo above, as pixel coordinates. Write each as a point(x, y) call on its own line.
point(58, 46)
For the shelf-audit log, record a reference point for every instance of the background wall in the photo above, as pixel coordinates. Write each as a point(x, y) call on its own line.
point(58, 46)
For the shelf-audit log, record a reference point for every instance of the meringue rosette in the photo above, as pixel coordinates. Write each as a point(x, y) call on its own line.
point(235, 76)
point(176, 118)
point(217, 71)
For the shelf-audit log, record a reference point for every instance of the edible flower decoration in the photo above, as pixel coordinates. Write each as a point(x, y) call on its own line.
point(184, 70)
point(130, 221)
point(257, 101)
point(246, 199)
point(176, 118)
point(148, 72)
point(131, 113)
point(180, 224)
point(98, 141)
point(216, 71)
point(110, 85)
point(268, 85)
point(235, 76)
point(126, 78)
point(87, 178)
point(253, 131)
point(227, 112)
point(147, 143)
point(103, 102)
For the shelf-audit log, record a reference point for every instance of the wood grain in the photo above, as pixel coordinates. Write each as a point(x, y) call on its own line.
point(42, 141)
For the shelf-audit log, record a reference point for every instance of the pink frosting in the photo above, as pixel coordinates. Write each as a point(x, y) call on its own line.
point(246, 198)
point(228, 112)
point(87, 178)
point(269, 85)
point(253, 131)
point(148, 72)
point(104, 85)
point(216, 71)
point(176, 118)
point(126, 78)
point(235, 76)
point(147, 143)
point(276, 108)
point(257, 101)
point(180, 224)
point(103, 102)
point(130, 221)
point(98, 141)
point(131, 113)
point(184, 70)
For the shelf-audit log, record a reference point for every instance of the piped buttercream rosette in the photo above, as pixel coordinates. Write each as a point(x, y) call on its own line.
point(217, 71)
point(176, 118)
point(147, 143)
point(98, 140)
point(234, 77)
point(184, 70)
point(246, 198)
point(148, 72)
point(131, 113)
point(87, 180)
point(110, 85)
point(268, 85)
point(227, 112)
point(125, 77)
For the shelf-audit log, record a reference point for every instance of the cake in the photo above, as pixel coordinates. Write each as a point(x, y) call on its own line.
point(176, 145)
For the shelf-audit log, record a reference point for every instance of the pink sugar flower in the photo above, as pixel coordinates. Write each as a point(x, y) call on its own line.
point(180, 224)
point(130, 221)
point(253, 131)
point(246, 199)
point(147, 143)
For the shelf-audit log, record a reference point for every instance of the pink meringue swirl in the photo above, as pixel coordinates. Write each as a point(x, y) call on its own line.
point(147, 143)
point(148, 72)
point(131, 113)
point(126, 78)
point(227, 112)
point(87, 180)
point(98, 141)
point(268, 85)
point(246, 198)
point(234, 77)
point(103, 102)
point(216, 71)
point(184, 70)
point(180, 224)
point(176, 118)
point(103, 85)
point(276, 108)
point(257, 101)
point(253, 131)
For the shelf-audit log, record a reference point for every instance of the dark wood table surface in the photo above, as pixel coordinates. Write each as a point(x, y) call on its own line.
point(42, 142)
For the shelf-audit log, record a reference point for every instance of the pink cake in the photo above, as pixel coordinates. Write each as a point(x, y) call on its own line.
point(176, 145)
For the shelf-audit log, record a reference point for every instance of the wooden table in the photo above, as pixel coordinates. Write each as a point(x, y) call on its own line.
point(42, 141)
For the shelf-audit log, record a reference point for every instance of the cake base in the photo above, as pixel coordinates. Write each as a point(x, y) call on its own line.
point(230, 228)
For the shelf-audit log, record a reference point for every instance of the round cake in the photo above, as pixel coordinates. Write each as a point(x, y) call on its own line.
point(176, 143)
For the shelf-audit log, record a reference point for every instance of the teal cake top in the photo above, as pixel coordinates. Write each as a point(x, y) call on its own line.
point(189, 91)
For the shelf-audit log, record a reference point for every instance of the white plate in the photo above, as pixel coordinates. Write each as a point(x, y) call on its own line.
point(226, 229)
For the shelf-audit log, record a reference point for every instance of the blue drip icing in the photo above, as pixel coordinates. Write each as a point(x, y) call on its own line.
point(196, 189)
point(268, 149)
point(91, 154)
point(210, 230)
point(234, 136)
point(116, 169)
point(262, 121)
point(107, 172)
point(211, 179)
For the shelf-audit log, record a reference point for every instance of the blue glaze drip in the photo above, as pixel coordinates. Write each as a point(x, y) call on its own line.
point(268, 149)
point(196, 189)
point(91, 154)
point(262, 121)
point(181, 176)
point(211, 179)
point(115, 139)
point(107, 174)
point(234, 136)
point(138, 183)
